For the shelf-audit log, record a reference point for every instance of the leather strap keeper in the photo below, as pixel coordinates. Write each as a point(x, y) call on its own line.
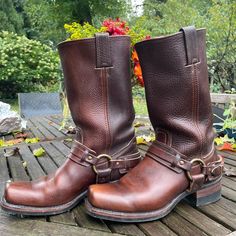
point(103, 50)
point(190, 40)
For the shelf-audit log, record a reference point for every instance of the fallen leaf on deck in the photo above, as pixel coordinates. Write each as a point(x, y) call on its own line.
point(39, 152)
point(21, 135)
point(138, 124)
point(140, 140)
point(32, 140)
point(11, 152)
point(68, 140)
point(225, 139)
point(13, 142)
point(1, 143)
point(24, 163)
point(144, 139)
point(230, 172)
point(226, 147)
point(219, 141)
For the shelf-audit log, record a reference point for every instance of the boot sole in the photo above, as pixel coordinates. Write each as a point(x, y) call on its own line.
point(209, 193)
point(21, 210)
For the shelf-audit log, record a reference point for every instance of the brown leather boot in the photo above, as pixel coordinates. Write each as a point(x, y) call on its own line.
point(97, 79)
point(182, 162)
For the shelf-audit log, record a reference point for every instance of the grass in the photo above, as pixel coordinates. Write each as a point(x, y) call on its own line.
point(140, 106)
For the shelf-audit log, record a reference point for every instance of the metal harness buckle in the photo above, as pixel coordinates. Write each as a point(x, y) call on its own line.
point(196, 160)
point(98, 158)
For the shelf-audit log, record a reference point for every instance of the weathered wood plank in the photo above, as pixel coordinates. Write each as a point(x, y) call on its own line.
point(61, 147)
point(200, 220)
point(222, 97)
point(228, 193)
point(45, 161)
point(47, 125)
point(56, 119)
point(33, 167)
point(227, 154)
point(4, 176)
point(181, 226)
point(66, 218)
point(48, 135)
point(156, 228)
point(221, 215)
point(16, 168)
point(230, 162)
point(227, 204)
point(127, 229)
point(87, 221)
point(232, 168)
point(54, 154)
point(35, 130)
point(26, 227)
point(55, 125)
point(229, 183)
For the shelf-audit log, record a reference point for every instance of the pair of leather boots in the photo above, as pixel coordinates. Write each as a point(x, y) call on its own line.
point(104, 162)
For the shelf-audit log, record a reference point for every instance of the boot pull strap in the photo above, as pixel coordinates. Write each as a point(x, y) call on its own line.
point(103, 50)
point(190, 40)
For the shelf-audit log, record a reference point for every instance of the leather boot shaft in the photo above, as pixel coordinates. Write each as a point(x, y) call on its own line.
point(177, 90)
point(98, 86)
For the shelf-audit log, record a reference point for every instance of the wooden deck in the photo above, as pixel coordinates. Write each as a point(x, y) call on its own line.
point(216, 219)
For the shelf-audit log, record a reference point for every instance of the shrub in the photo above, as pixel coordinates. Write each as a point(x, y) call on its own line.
point(25, 65)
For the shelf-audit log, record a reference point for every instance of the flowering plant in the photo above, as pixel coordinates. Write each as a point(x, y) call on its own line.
point(113, 27)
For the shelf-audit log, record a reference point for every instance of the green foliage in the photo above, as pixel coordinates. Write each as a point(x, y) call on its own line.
point(78, 31)
point(219, 17)
point(25, 65)
point(9, 18)
point(138, 30)
point(230, 117)
point(46, 18)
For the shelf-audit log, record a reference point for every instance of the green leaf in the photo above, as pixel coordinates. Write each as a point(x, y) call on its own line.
point(32, 140)
point(39, 152)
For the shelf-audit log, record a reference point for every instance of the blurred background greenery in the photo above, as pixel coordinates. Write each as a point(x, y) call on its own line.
point(31, 29)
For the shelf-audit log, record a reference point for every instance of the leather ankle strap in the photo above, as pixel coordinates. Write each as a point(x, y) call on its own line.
point(197, 170)
point(103, 164)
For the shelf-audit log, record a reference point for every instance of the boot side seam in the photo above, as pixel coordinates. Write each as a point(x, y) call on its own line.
point(195, 87)
point(107, 75)
point(105, 106)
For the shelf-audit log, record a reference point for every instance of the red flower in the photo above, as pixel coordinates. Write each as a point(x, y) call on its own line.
point(116, 27)
point(119, 27)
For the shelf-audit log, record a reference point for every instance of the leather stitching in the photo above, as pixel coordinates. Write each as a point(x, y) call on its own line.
point(107, 104)
point(196, 81)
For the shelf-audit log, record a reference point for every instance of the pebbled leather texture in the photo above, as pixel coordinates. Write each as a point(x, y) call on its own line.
point(183, 157)
point(98, 86)
point(177, 92)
